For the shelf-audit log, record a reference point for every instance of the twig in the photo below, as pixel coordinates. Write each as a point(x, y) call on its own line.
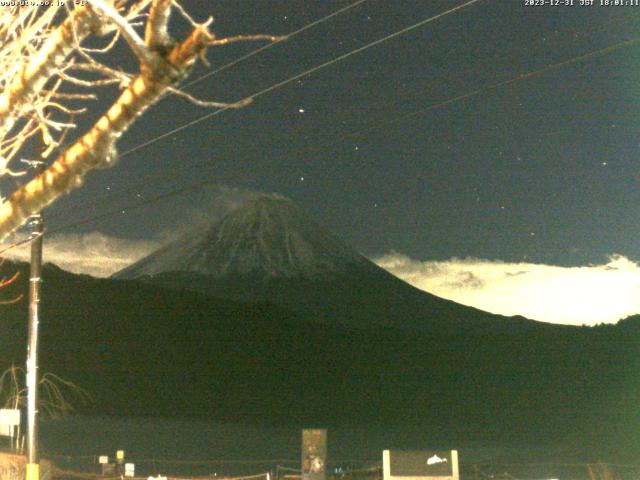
point(204, 103)
point(247, 38)
point(135, 42)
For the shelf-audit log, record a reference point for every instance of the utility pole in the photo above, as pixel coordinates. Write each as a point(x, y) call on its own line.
point(36, 226)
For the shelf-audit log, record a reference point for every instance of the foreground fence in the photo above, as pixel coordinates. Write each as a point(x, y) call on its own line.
point(12, 467)
point(483, 471)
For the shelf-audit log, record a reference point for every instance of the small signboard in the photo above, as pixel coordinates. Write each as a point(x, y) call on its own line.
point(420, 465)
point(102, 459)
point(129, 470)
point(314, 454)
point(9, 419)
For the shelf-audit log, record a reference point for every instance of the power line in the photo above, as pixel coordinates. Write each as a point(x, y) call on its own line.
point(465, 74)
point(398, 119)
point(269, 45)
point(491, 87)
point(303, 74)
point(273, 87)
point(196, 186)
point(113, 212)
point(306, 72)
point(511, 81)
point(364, 47)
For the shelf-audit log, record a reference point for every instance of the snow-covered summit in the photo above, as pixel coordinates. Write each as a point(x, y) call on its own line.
point(268, 236)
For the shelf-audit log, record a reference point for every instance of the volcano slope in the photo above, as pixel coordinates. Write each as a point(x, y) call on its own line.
point(268, 250)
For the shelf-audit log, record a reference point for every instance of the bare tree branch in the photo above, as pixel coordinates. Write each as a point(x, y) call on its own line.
point(45, 67)
point(96, 149)
point(247, 38)
point(204, 103)
point(28, 83)
point(156, 34)
point(135, 42)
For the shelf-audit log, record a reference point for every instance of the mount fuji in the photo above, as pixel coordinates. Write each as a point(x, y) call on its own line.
point(268, 237)
point(269, 250)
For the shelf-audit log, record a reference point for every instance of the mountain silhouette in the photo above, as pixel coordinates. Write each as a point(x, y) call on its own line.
point(269, 250)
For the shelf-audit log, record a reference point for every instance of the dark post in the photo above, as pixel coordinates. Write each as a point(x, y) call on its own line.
point(314, 454)
point(36, 226)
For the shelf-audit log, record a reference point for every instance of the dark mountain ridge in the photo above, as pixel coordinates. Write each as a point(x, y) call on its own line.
point(141, 349)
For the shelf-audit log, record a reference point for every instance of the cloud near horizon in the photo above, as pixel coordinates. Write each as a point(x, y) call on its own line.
point(91, 253)
point(101, 255)
point(587, 295)
point(570, 295)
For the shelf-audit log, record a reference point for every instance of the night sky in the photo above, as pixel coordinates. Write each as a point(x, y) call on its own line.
point(542, 168)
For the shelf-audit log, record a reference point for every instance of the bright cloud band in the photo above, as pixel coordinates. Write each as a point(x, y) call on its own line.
point(571, 295)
